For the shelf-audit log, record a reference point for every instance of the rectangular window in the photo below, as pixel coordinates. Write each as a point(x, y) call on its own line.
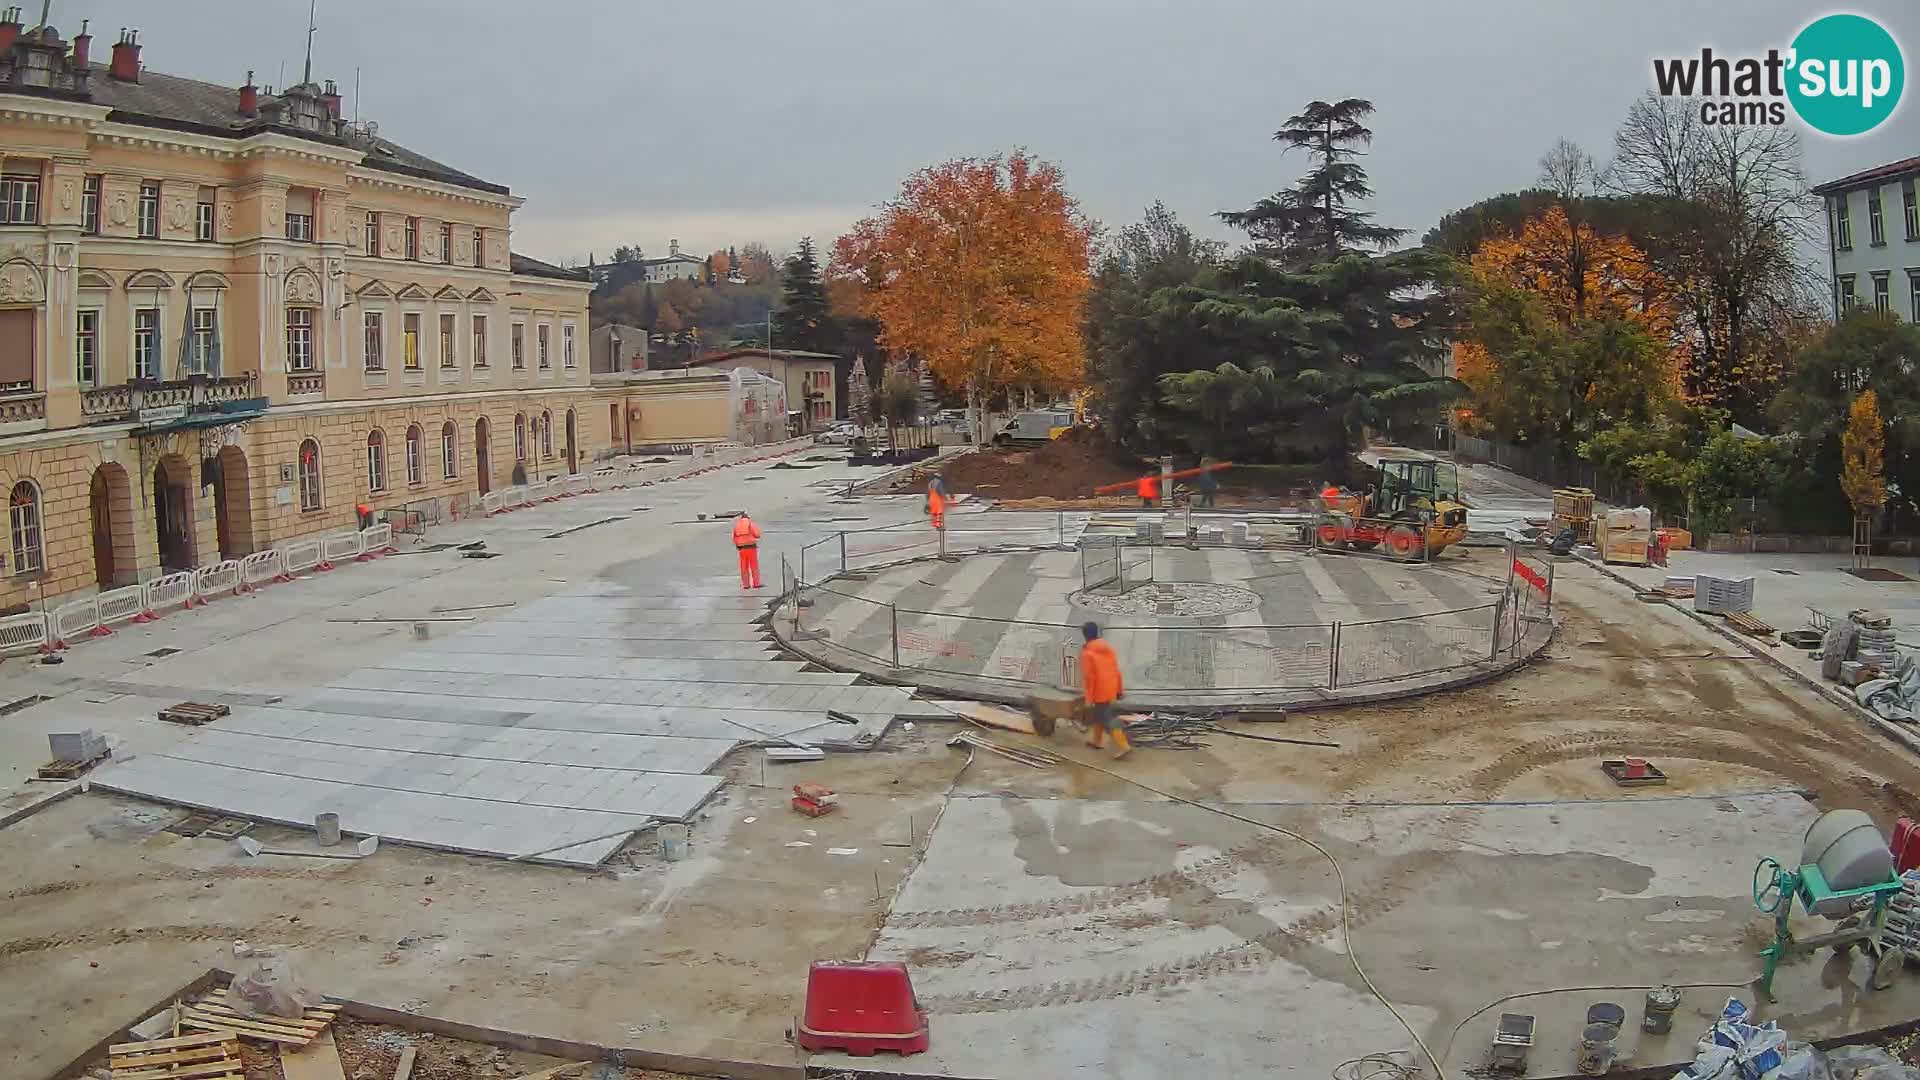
point(446, 242)
point(20, 200)
point(1881, 302)
point(205, 333)
point(545, 360)
point(1847, 299)
point(149, 210)
point(413, 238)
point(479, 341)
point(479, 247)
point(203, 221)
point(1912, 209)
point(415, 467)
point(299, 339)
point(1876, 225)
point(146, 343)
point(1913, 300)
point(449, 356)
point(299, 226)
point(1842, 225)
point(449, 453)
point(90, 206)
point(410, 341)
point(519, 346)
point(86, 347)
point(566, 346)
point(376, 343)
point(373, 234)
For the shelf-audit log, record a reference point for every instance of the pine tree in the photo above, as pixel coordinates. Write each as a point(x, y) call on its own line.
point(1312, 221)
point(803, 321)
point(1296, 350)
point(859, 393)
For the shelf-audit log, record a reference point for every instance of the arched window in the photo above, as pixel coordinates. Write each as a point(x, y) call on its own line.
point(546, 435)
point(520, 437)
point(416, 456)
point(449, 451)
point(23, 511)
point(376, 460)
point(310, 475)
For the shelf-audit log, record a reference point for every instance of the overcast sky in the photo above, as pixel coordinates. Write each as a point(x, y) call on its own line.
point(717, 122)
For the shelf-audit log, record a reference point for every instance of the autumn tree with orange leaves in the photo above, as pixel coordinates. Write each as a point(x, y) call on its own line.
point(1569, 330)
point(979, 269)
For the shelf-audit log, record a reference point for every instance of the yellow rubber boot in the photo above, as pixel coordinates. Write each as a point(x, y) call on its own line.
point(1121, 745)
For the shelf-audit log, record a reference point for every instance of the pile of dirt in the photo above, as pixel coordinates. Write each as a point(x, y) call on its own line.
point(1069, 467)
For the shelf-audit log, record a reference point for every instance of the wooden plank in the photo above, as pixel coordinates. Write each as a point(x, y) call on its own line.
point(194, 1019)
point(555, 1072)
point(318, 1060)
point(226, 1066)
point(177, 1055)
point(220, 1009)
point(161, 1044)
point(404, 1070)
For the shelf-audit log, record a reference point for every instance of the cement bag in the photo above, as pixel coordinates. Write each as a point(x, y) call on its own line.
point(1711, 1063)
point(1836, 648)
point(1846, 1062)
point(1761, 1052)
point(264, 985)
point(1801, 1062)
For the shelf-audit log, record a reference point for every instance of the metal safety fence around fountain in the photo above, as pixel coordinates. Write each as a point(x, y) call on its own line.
point(817, 607)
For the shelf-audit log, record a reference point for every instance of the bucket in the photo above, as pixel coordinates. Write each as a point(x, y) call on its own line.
point(673, 842)
point(1658, 1018)
point(1596, 1048)
point(1636, 768)
point(328, 828)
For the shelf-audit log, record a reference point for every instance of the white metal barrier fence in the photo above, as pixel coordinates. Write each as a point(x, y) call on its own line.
point(297, 556)
point(72, 620)
point(23, 632)
point(337, 548)
point(169, 590)
point(262, 567)
point(120, 605)
point(377, 540)
point(218, 578)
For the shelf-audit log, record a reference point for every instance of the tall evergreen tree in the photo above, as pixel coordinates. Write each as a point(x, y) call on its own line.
point(803, 321)
point(1309, 341)
point(1313, 221)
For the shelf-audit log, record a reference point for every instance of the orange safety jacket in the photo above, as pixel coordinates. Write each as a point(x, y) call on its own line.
point(745, 533)
point(935, 503)
point(1148, 487)
point(1100, 672)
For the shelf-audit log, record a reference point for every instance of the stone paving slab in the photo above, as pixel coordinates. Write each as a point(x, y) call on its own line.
point(782, 672)
point(629, 648)
point(463, 824)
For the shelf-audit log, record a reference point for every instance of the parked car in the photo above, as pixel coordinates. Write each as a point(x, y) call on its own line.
point(1032, 428)
point(840, 434)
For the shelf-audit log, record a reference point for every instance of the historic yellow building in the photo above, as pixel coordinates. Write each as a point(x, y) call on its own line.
point(228, 316)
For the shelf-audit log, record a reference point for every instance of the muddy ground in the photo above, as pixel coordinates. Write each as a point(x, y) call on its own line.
point(104, 912)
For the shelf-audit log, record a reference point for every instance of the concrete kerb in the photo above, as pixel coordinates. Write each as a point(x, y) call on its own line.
point(866, 486)
point(1885, 727)
point(571, 1049)
point(979, 689)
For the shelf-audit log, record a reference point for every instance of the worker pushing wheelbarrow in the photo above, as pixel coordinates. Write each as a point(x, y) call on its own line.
point(1094, 708)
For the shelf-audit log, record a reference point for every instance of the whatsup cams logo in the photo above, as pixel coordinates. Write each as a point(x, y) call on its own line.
point(1843, 75)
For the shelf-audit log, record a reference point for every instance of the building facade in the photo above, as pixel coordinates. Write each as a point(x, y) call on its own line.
point(1873, 239)
point(676, 266)
point(227, 317)
point(807, 376)
point(618, 347)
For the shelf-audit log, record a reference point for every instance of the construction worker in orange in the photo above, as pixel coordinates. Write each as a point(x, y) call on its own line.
point(937, 503)
point(1148, 488)
point(1100, 682)
point(746, 538)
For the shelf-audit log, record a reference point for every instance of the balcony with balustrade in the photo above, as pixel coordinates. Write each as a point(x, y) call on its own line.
point(194, 401)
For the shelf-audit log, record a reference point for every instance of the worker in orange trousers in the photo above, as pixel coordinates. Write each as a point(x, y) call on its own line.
point(1101, 683)
point(1148, 488)
point(937, 503)
point(746, 538)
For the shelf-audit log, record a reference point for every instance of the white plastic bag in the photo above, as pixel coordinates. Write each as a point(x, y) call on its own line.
point(263, 984)
point(1847, 1062)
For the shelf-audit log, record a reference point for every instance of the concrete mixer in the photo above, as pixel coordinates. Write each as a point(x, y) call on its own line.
point(1846, 874)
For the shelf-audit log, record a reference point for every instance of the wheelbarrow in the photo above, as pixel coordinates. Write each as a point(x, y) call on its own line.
point(1048, 707)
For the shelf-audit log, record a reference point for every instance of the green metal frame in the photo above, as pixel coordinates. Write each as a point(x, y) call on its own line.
point(1810, 886)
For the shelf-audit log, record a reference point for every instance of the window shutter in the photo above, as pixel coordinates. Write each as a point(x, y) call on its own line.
point(16, 346)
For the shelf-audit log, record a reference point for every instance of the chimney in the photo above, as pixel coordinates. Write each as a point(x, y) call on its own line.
point(9, 27)
point(673, 247)
point(82, 41)
point(126, 57)
point(249, 98)
point(332, 97)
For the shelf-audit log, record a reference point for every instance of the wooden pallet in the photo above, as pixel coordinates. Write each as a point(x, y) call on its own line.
point(193, 713)
point(67, 770)
point(214, 1013)
point(1747, 624)
point(208, 1055)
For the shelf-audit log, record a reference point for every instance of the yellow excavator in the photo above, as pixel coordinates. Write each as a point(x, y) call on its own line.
point(1408, 492)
